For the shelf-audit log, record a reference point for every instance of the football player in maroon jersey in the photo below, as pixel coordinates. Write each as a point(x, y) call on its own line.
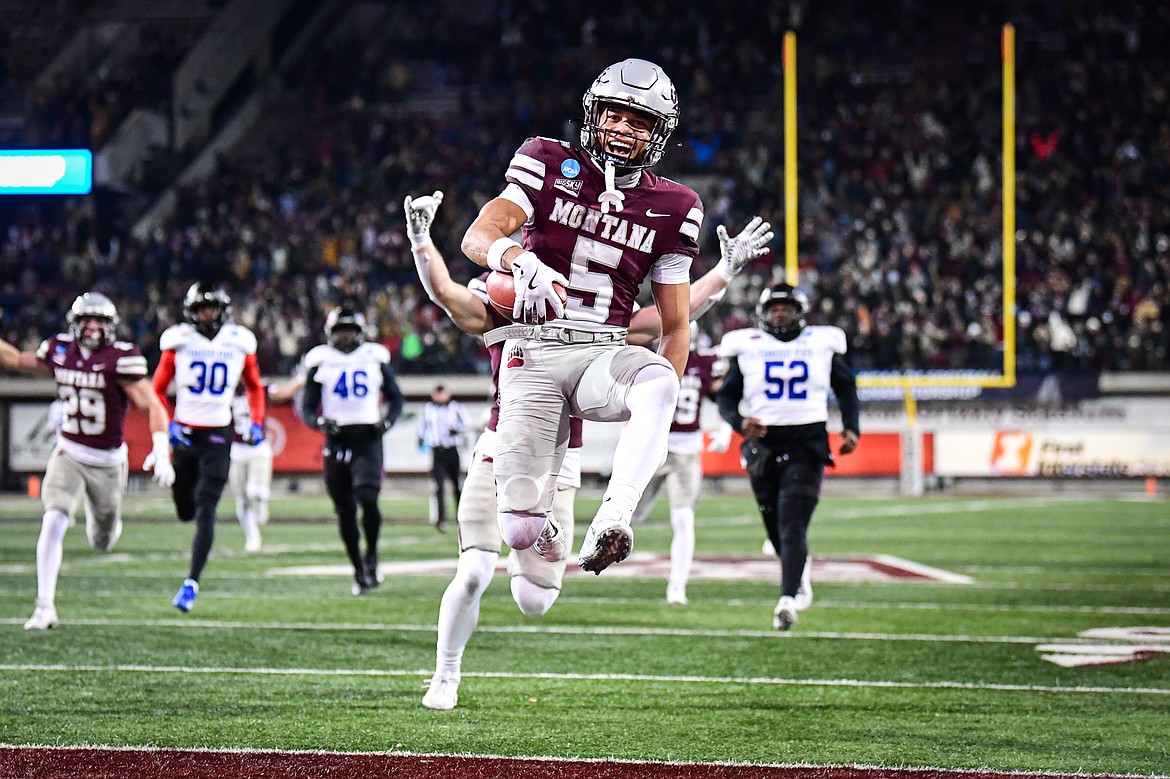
point(98, 377)
point(598, 221)
point(536, 582)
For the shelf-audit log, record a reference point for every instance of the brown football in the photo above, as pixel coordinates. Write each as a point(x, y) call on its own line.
point(501, 290)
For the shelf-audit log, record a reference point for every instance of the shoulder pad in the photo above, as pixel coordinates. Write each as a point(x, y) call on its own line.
point(377, 352)
point(316, 356)
point(175, 337)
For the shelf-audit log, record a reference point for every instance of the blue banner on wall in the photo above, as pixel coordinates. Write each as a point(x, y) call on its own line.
point(46, 171)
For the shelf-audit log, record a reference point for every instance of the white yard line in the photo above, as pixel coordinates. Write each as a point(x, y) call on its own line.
point(651, 678)
point(566, 630)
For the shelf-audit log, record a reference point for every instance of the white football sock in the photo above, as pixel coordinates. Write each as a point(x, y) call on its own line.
point(641, 449)
point(246, 513)
point(682, 546)
point(459, 608)
point(50, 548)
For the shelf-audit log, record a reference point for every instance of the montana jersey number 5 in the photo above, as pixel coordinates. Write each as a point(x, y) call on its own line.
point(778, 382)
point(597, 288)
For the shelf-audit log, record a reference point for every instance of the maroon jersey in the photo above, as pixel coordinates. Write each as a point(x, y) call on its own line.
point(605, 257)
point(93, 403)
point(478, 287)
point(703, 369)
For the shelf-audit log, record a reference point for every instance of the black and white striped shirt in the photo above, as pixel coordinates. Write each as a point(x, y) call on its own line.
point(443, 425)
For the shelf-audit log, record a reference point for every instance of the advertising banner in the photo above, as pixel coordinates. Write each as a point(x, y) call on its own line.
point(1051, 453)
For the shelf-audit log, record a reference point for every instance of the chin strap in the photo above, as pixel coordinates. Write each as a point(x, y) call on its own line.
point(612, 197)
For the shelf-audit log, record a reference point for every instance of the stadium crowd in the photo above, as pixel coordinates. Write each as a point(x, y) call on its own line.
point(899, 153)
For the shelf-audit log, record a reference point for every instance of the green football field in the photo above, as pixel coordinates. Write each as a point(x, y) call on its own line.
point(943, 672)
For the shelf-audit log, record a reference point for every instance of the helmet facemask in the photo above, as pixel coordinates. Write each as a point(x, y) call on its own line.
point(89, 309)
point(641, 87)
point(200, 298)
point(781, 311)
point(345, 329)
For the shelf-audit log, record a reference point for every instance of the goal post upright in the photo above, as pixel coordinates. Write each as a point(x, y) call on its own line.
point(912, 483)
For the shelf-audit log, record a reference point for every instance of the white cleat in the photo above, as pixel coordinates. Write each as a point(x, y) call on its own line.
point(551, 543)
point(804, 594)
point(784, 617)
point(443, 694)
point(608, 540)
point(44, 617)
point(253, 544)
point(676, 595)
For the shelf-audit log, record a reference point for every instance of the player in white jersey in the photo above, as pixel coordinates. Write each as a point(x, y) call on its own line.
point(346, 382)
point(250, 476)
point(98, 377)
point(207, 357)
point(535, 581)
point(781, 372)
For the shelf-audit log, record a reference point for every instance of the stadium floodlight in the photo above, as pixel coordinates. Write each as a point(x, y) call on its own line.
point(46, 171)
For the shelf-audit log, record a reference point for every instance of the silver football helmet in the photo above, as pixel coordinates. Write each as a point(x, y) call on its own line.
point(342, 318)
point(782, 293)
point(93, 304)
point(641, 86)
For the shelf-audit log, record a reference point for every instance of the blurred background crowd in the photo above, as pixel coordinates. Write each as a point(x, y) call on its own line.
point(900, 221)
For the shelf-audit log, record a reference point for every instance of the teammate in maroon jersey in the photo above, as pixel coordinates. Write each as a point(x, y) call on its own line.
point(536, 582)
point(596, 220)
point(682, 473)
point(98, 377)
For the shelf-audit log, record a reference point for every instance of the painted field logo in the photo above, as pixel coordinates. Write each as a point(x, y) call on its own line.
point(1011, 452)
point(1125, 645)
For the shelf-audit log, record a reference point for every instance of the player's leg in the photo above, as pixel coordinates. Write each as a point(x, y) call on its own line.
point(260, 480)
point(531, 438)
point(339, 486)
point(214, 462)
point(479, 541)
point(366, 468)
point(61, 491)
point(632, 384)
point(456, 476)
point(650, 496)
point(185, 459)
point(682, 489)
point(103, 493)
point(238, 476)
point(438, 504)
point(800, 489)
point(536, 582)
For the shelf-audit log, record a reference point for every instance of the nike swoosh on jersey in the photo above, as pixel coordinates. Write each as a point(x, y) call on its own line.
point(651, 212)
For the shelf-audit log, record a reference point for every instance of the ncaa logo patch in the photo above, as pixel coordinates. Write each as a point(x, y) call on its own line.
point(570, 169)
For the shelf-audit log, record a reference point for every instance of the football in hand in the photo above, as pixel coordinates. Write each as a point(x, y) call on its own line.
point(501, 290)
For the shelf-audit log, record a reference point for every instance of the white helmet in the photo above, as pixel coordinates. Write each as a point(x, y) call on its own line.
point(641, 86)
point(93, 304)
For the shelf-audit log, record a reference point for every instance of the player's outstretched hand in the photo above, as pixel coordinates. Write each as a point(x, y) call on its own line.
point(848, 442)
point(420, 213)
point(535, 294)
point(256, 434)
point(751, 243)
point(158, 462)
point(720, 439)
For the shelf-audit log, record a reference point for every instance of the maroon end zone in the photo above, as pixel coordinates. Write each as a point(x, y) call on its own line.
point(89, 763)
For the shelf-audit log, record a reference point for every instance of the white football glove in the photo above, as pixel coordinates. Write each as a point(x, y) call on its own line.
point(159, 460)
point(751, 243)
point(535, 293)
point(420, 212)
point(720, 439)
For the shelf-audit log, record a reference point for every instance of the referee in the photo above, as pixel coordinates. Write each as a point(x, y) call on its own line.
point(441, 429)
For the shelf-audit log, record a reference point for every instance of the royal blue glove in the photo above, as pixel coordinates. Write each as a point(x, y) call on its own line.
point(256, 434)
point(177, 436)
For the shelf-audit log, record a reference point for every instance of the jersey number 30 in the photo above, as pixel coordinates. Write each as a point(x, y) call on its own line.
point(778, 384)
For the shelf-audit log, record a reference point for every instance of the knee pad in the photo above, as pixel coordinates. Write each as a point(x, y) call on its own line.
point(533, 600)
point(475, 570)
point(520, 492)
point(658, 384)
point(520, 529)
